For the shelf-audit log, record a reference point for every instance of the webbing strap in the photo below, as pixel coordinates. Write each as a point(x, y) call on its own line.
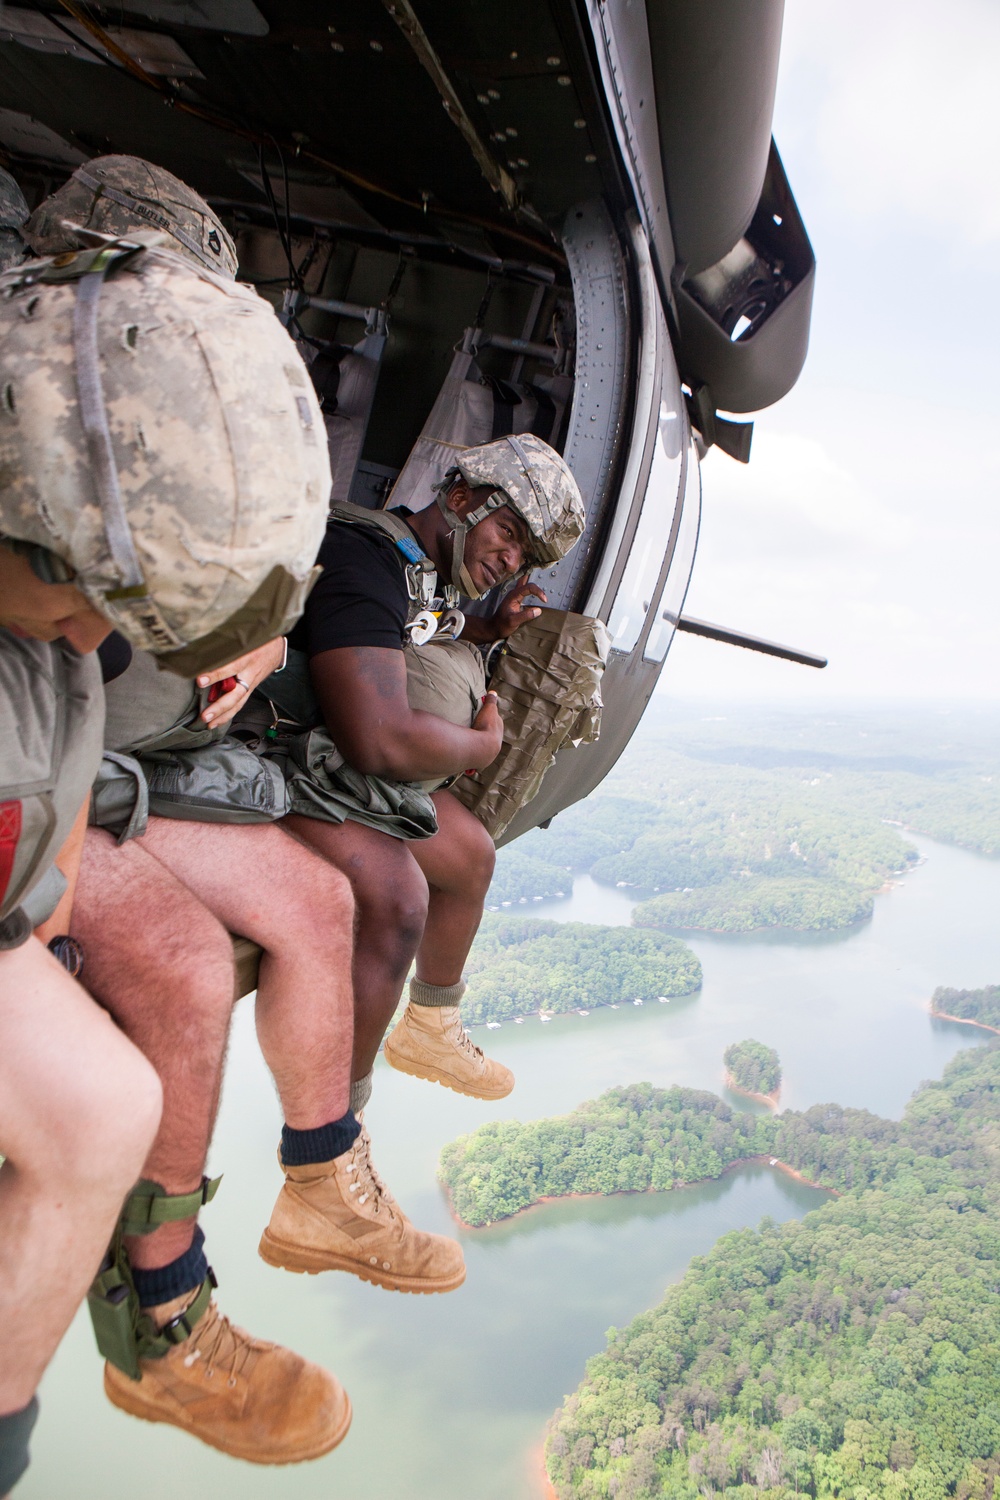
point(94, 417)
point(149, 1206)
point(393, 527)
point(154, 1343)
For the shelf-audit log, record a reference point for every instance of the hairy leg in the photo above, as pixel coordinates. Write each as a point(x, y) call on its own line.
point(162, 965)
point(458, 865)
point(262, 883)
point(390, 896)
point(79, 1107)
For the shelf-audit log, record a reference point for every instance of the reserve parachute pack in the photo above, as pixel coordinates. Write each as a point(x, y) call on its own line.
point(54, 697)
point(548, 685)
point(124, 1333)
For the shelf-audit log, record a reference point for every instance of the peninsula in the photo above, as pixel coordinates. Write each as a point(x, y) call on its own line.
point(974, 1007)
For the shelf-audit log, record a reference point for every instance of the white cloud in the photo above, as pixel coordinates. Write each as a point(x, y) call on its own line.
point(907, 118)
point(801, 499)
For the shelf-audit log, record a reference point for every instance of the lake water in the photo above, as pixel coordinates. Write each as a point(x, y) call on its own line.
point(451, 1393)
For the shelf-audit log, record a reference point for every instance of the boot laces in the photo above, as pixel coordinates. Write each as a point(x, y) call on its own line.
point(463, 1041)
point(368, 1184)
point(223, 1347)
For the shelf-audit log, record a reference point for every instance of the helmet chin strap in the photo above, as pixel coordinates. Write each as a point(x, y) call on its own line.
point(460, 526)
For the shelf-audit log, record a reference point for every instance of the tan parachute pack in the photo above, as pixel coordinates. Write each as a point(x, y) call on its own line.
point(446, 678)
point(548, 683)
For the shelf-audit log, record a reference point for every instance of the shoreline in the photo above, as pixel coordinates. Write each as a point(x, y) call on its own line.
point(538, 1462)
point(771, 1099)
point(942, 1015)
point(543, 1202)
point(557, 1015)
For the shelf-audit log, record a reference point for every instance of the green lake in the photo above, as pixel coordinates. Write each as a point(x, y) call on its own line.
point(451, 1394)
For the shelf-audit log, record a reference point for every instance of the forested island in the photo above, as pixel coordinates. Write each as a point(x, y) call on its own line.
point(643, 1139)
point(855, 1353)
point(798, 827)
point(752, 1068)
point(979, 1007)
point(521, 965)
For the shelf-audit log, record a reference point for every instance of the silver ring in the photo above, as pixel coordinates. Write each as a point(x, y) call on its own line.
point(244, 685)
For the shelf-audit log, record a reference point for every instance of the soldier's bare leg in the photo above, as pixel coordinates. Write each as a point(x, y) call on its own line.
point(335, 1213)
point(163, 962)
point(430, 1041)
point(390, 897)
point(458, 866)
point(79, 1108)
point(162, 965)
point(260, 882)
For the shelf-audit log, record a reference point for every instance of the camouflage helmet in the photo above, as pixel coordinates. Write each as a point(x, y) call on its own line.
point(13, 213)
point(119, 194)
point(535, 481)
point(160, 443)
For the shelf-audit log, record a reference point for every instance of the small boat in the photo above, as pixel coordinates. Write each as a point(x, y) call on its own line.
point(583, 1012)
point(774, 1161)
point(545, 1019)
point(636, 1002)
point(615, 1005)
point(492, 1025)
point(518, 1020)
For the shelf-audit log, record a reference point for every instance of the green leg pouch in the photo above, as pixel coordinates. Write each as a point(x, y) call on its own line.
point(123, 1331)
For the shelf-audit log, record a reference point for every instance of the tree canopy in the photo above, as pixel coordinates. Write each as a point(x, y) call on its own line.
point(519, 965)
point(754, 1068)
point(797, 825)
point(982, 1005)
point(854, 1354)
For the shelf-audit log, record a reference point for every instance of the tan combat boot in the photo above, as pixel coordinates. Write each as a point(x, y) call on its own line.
point(339, 1216)
point(248, 1398)
point(429, 1041)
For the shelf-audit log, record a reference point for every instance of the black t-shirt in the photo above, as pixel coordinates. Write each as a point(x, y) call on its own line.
point(115, 655)
point(360, 598)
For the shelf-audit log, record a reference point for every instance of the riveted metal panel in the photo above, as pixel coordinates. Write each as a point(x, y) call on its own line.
point(598, 417)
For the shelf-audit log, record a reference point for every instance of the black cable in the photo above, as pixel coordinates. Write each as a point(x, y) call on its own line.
point(285, 240)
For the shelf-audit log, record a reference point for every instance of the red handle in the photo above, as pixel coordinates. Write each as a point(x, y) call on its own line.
point(219, 689)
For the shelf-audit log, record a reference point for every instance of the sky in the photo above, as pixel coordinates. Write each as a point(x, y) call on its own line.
point(866, 526)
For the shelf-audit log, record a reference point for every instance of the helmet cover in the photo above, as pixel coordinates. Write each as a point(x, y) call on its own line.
point(119, 194)
point(13, 213)
point(538, 484)
point(216, 442)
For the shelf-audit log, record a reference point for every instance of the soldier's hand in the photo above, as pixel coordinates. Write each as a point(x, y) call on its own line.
point(238, 680)
point(488, 728)
point(517, 609)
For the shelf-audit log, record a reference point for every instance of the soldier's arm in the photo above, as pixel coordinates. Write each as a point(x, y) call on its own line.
point(362, 694)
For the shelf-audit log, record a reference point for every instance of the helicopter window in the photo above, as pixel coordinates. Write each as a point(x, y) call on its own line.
point(636, 590)
point(675, 585)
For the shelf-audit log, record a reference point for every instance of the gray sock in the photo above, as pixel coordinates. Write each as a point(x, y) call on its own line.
point(436, 994)
point(361, 1092)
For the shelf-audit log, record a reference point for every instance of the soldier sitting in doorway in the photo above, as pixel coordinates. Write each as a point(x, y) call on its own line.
point(419, 863)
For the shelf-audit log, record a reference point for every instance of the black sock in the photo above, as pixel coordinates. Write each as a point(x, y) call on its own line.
point(303, 1148)
point(15, 1431)
point(182, 1275)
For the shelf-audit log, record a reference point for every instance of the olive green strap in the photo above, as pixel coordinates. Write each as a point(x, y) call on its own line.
point(154, 1343)
point(149, 1206)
